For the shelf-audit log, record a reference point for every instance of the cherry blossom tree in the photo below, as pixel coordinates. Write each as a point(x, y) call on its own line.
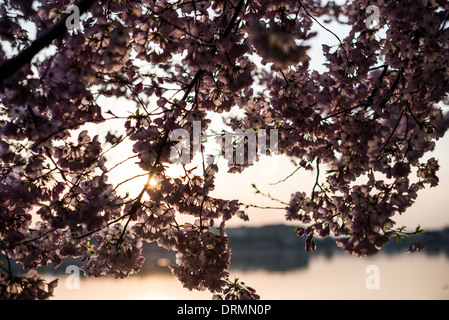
point(367, 121)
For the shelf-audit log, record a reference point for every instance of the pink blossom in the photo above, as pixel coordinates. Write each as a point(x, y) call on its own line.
point(363, 124)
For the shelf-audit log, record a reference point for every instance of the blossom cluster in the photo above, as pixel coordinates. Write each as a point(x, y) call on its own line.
point(115, 254)
point(28, 287)
point(237, 290)
point(369, 118)
point(202, 259)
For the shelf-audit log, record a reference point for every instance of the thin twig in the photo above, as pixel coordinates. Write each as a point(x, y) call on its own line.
point(286, 178)
point(392, 132)
point(267, 195)
point(314, 19)
point(317, 177)
point(261, 207)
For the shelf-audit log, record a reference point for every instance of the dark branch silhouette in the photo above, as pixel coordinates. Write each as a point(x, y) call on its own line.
point(11, 66)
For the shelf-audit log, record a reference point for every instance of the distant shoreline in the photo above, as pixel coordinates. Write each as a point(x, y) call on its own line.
point(270, 247)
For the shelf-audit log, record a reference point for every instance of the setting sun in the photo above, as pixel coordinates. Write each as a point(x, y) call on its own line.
point(153, 182)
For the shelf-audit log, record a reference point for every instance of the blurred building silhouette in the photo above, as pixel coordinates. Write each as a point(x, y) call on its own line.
point(270, 248)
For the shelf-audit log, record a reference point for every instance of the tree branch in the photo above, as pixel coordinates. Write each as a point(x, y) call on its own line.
point(286, 178)
point(137, 204)
point(11, 66)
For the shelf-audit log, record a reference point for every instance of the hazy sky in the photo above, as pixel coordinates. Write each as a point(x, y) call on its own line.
point(430, 210)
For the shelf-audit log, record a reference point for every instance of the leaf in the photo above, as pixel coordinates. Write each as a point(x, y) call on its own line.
point(399, 238)
point(418, 229)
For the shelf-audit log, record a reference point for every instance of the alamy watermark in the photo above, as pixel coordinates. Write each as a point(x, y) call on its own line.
point(373, 280)
point(73, 280)
point(373, 20)
point(73, 20)
point(240, 147)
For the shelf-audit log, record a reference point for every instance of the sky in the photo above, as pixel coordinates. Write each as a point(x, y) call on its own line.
point(430, 209)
